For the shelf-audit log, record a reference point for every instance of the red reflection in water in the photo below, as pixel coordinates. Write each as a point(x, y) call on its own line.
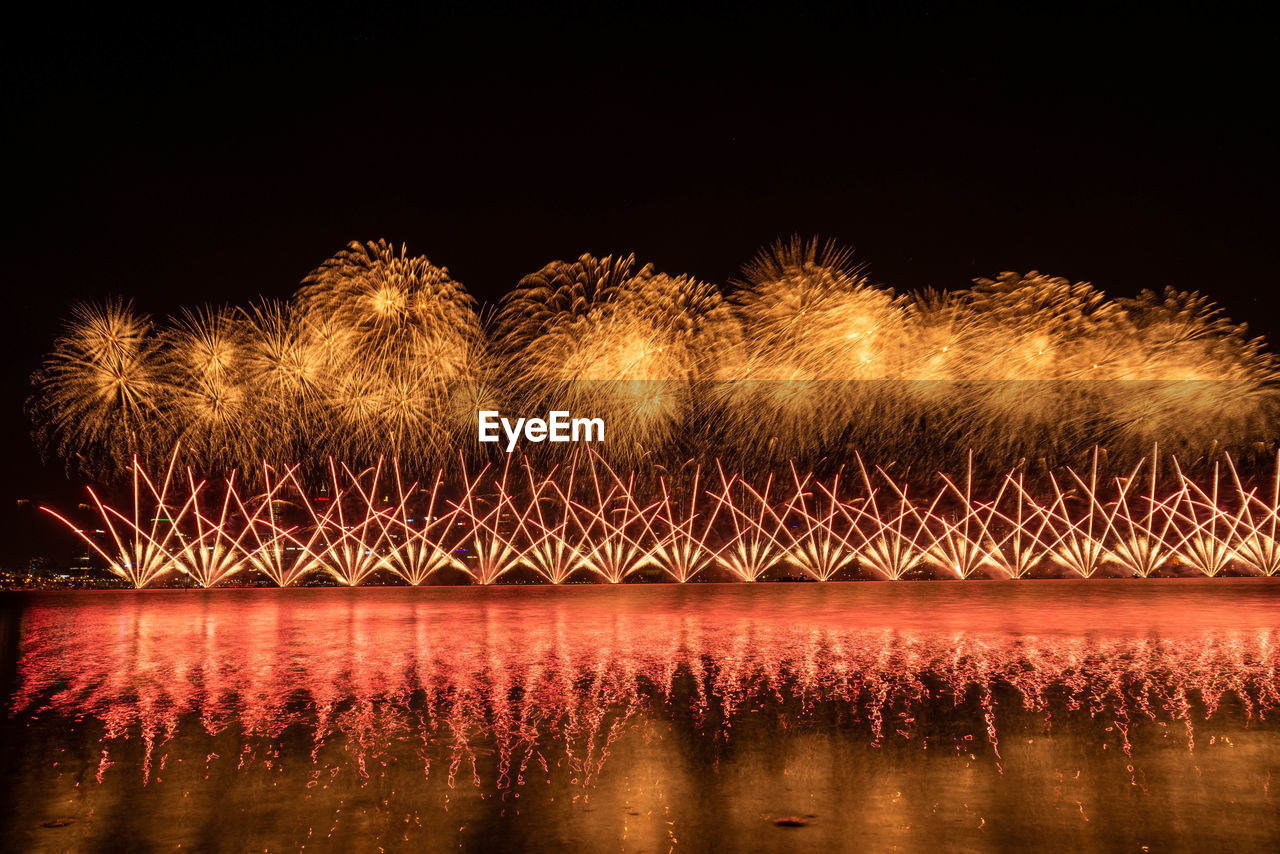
point(525, 681)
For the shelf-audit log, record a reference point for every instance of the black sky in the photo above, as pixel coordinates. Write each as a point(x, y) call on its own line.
point(214, 155)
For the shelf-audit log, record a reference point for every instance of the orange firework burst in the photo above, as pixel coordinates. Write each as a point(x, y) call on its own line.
point(99, 390)
point(383, 354)
point(596, 338)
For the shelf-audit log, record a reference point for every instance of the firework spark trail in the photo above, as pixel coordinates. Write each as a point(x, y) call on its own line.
point(753, 547)
point(611, 546)
point(823, 546)
point(414, 551)
point(1257, 546)
point(1078, 542)
point(964, 545)
point(589, 520)
point(215, 552)
point(357, 546)
point(556, 539)
point(1022, 548)
point(272, 549)
point(681, 544)
point(489, 540)
point(144, 542)
point(1208, 530)
point(885, 547)
point(1141, 543)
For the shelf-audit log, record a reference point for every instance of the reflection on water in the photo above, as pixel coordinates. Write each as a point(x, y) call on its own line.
point(651, 718)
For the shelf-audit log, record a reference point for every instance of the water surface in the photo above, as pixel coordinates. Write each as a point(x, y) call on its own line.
point(1055, 715)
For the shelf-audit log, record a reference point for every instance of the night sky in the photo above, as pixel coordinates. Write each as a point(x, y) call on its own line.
point(218, 155)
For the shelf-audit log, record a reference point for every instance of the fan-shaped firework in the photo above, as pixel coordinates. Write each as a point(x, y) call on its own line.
point(587, 520)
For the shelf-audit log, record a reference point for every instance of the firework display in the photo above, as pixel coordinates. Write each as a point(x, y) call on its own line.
point(587, 521)
point(383, 355)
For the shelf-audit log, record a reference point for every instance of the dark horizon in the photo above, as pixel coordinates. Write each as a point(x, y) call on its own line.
point(214, 159)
